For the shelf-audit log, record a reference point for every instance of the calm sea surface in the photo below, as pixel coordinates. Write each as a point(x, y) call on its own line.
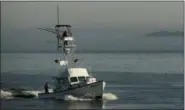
point(134, 80)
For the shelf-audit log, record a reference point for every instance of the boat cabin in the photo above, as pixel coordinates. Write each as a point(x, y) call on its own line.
point(73, 78)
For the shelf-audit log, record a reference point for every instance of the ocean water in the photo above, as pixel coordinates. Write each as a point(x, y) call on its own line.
point(134, 81)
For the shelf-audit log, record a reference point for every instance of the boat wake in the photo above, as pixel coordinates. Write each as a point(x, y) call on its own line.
point(22, 93)
point(106, 96)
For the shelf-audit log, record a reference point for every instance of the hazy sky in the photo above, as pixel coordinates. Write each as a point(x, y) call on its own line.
point(95, 24)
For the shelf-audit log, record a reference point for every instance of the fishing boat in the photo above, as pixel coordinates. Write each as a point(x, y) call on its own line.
point(71, 80)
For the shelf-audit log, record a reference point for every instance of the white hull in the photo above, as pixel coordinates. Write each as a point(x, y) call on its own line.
point(93, 90)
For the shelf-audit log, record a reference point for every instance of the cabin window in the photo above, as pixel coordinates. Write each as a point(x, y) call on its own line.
point(59, 81)
point(65, 80)
point(55, 82)
point(74, 79)
point(81, 79)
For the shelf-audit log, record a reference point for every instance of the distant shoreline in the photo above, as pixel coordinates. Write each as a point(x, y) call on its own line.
point(164, 33)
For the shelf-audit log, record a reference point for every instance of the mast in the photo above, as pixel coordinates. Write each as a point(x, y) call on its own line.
point(57, 28)
point(58, 32)
point(57, 14)
point(65, 41)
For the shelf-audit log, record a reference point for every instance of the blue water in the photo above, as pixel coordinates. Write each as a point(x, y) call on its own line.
point(137, 80)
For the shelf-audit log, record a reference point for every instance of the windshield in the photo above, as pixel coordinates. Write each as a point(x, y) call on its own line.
point(74, 79)
point(81, 79)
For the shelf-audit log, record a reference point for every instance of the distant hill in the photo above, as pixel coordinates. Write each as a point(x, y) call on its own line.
point(164, 33)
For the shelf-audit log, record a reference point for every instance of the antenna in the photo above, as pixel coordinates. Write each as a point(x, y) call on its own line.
point(57, 14)
point(57, 29)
